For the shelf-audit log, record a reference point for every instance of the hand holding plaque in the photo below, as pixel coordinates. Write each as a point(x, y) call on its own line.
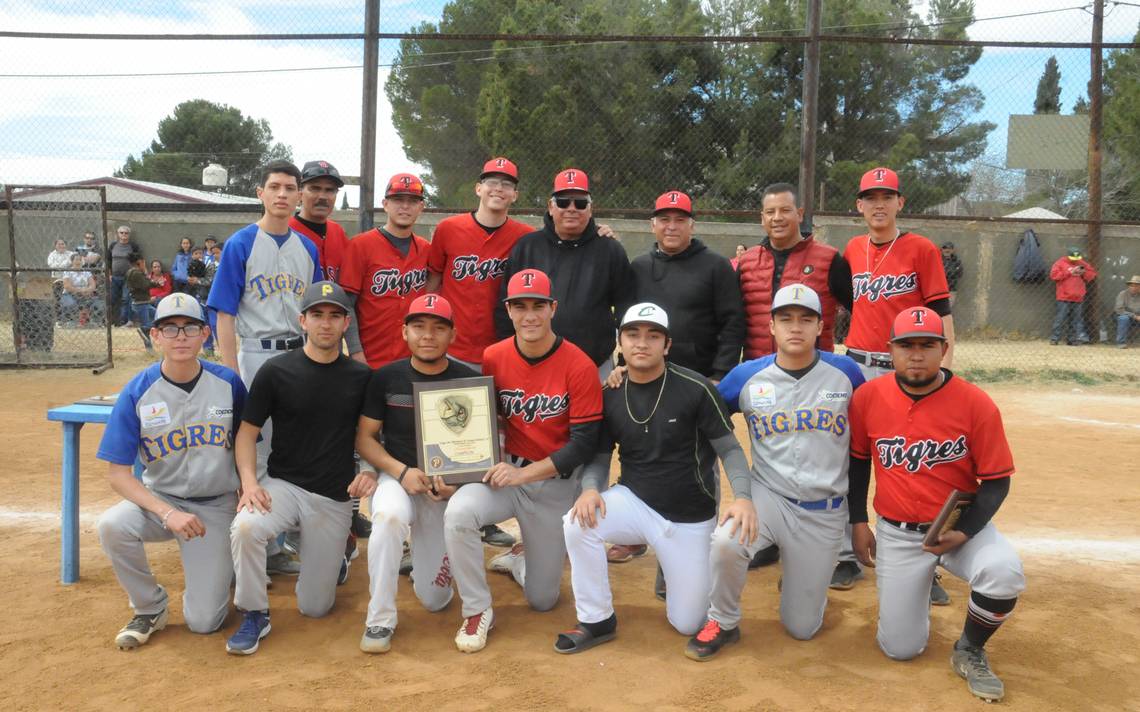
point(457, 431)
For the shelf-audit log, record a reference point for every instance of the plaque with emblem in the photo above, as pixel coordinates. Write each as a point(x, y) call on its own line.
point(457, 428)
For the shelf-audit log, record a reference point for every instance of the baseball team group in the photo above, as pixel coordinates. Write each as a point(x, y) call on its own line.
point(323, 338)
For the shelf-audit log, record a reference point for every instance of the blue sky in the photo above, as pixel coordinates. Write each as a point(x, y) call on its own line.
point(68, 127)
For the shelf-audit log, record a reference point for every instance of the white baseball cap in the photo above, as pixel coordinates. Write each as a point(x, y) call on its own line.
point(646, 313)
point(797, 295)
point(178, 304)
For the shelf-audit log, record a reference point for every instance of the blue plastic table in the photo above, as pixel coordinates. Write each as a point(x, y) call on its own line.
point(73, 418)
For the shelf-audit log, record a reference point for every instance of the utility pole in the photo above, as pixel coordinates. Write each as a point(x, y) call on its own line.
point(1096, 123)
point(368, 113)
point(809, 114)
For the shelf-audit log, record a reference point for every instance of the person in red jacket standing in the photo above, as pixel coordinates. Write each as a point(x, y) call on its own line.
point(1072, 275)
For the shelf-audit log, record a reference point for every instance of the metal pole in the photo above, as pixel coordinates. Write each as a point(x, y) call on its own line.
point(9, 197)
point(808, 126)
point(368, 112)
point(1096, 122)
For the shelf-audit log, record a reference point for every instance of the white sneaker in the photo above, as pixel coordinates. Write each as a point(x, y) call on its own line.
point(512, 562)
point(472, 635)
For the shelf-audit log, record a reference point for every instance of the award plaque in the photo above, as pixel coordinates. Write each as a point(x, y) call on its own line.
point(457, 428)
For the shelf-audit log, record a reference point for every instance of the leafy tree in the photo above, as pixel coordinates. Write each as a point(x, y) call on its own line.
point(1121, 177)
point(1048, 99)
point(344, 202)
point(198, 133)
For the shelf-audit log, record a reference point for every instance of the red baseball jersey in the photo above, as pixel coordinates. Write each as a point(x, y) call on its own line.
point(906, 272)
point(472, 261)
point(331, 249)
point(922, 449)
point(385, 283)
point(540, 401)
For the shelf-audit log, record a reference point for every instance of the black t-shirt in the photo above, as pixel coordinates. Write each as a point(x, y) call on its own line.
point(314, 407)
point(668, 462)
point(389, 399)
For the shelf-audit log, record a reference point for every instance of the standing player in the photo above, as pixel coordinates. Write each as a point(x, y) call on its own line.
point(795, 405)
point(406, 500)
point(385, 269)
point(550, 401)
point(178, 417)
point(314, 395)
point(891, 270)
point(669, 424)
point(931, 432)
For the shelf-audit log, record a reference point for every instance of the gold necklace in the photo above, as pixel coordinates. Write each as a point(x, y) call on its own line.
point(661, 392)
point(870, 272)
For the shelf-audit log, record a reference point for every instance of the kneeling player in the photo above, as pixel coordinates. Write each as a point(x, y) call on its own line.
point(407, 501)
point(931, 432)
point(178, 416)
point(795, 405)
point(669, 424)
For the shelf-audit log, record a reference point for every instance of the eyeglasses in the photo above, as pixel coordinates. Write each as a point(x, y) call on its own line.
point(579, 203)
point(170, 331)
point(497, 183)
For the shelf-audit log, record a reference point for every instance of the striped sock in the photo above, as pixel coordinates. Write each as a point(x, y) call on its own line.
point(983, 617)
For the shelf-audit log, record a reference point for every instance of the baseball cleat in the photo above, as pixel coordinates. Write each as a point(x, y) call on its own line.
point(361, 527)
point(139, 630)
point(472, 635)
point(350, 548)
point(621, 553)
point(282, 563)
point(254, 627)
point(973, 666)
point(709, 640)
point(845, 575)
point(511, 562)
point(938, 595)
point(765, 557)
point(494, 536)
point(342, 576)
point(659, 588)
point(376, 639)
point(406, 561)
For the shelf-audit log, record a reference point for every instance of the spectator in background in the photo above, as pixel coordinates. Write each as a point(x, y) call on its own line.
point(119, 254)
point(195, 273)
point(139, 285)
point(208, 255)
point(735, 261)
point(161, 280)
point(952, 266)
point(1127, 311)
point(1071, 274)
point(59, 258)
point(212, 259)
point(89, 250)
point(77, 300)
point(180, 264)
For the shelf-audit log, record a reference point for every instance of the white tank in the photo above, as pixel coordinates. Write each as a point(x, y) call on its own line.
point(215, 176)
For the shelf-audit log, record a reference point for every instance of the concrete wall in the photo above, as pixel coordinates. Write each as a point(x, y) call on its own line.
point(989, 301)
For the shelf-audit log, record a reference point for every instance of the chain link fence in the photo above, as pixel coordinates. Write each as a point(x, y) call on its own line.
point(982, 107)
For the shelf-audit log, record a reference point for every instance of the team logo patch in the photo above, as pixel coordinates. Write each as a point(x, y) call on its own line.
point(913, 456)
point(454, 412)
point(761, 394)
point(217, 411)
point(832, 396)
point(808, 269)
point(155, 415)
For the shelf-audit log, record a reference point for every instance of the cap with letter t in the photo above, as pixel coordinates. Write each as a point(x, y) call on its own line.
point(673, 200)
point(571, 179)
point(404, 184)
point(325, 293)
point(529, 284)
point(500, 167)
point(917, 323)
point(178, 304)
point(797, 295)
point(879, 179)
point(430, 305)
point(646, 313)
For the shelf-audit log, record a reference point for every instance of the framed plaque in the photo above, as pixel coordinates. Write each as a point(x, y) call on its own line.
point(457, 428)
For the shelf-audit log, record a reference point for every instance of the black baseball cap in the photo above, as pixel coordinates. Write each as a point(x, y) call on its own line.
point(325, 293)
point(320, 169)
point(948, 245)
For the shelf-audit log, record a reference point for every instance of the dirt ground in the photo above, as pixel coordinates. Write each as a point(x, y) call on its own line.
point(1070, 645)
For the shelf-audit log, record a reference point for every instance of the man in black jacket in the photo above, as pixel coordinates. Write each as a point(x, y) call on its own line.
point(591, 277)
point(697, 288)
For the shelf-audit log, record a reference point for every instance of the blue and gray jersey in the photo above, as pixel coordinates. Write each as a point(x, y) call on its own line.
point(261, 279)
point(184, 440)
point(798, 426)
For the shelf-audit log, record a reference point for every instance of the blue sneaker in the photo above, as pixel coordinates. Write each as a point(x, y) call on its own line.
point(254, 627)
point(342, 577)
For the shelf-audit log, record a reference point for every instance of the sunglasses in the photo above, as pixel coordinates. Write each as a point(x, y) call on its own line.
point(579, 203)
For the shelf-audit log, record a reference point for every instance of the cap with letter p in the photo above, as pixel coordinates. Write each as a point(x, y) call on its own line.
point(529, 284)
point(797, 295)
point(673, 200)
point(571, 179)
point(325, 293)
point(179, 304)
point(917, 323)
point(646, 313)
point(879, 179)
point(430, 305)
point(500, 167)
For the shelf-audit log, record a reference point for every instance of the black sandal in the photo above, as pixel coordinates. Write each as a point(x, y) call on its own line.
point(579, 639)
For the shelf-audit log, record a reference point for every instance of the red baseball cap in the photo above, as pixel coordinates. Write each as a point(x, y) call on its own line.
point(405, 184)
point(430, 305)
point(500, 166)
point(879, 179)
point(917, 323)
point(673, 200)
point(529, 284)
point(571, 179)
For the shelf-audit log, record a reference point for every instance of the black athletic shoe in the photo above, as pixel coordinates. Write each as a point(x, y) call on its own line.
point(708, 642)
point(765, 557)
point(361, 527)
point(659, 584)
point(494, 536)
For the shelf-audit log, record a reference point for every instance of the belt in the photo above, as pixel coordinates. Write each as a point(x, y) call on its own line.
point(867, 358)
point(819, 504)
point(920, 527)
point(282, 344)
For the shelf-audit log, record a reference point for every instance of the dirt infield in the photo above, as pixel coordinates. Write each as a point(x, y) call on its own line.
point(1070, 645)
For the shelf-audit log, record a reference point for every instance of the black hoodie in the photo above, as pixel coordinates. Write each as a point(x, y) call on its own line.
point(590, 277)
point(699, 291)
